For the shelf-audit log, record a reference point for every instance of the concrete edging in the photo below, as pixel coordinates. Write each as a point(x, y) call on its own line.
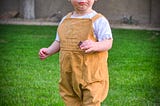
point(49, 23)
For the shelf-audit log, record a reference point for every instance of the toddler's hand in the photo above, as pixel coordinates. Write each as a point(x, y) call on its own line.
point(43, 53)
point(89, 46)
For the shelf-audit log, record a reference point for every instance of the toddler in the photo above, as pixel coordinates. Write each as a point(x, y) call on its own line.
point(83, 40)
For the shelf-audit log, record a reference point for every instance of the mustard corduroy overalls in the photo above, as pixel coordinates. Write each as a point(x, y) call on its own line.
point(84, 77)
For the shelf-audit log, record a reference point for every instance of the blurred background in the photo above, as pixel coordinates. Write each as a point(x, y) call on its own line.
point(136, 12)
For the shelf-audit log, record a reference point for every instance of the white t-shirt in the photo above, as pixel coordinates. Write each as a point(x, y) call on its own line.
point(101, 27)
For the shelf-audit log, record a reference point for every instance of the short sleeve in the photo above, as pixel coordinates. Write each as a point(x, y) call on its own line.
point(102, 29)
point(57, 37)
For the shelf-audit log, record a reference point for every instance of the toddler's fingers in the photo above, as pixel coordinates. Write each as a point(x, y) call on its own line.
point(41, 53)
point(88, 50)
point(42, 57)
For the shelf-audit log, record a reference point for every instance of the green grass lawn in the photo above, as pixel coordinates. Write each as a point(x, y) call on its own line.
point(134, 68)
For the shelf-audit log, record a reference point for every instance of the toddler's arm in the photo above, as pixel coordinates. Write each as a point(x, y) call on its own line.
point(91, 46)
point(52, 49)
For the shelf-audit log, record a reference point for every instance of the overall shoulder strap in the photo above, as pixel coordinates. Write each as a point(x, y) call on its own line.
point(96, 17)
point(69, 14)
